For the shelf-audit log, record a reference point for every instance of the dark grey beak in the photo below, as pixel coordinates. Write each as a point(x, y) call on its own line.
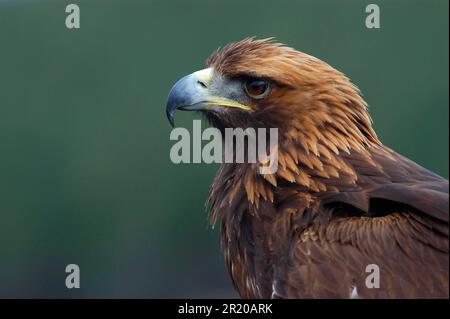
point(188, 94)
point(192, 93)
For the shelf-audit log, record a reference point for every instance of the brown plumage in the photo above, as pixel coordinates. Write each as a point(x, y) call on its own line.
point(340, 199)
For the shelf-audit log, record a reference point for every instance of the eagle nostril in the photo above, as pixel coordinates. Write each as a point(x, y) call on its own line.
point(203, 85)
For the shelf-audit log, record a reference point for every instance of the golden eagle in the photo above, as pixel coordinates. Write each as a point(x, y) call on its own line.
point(340, 200)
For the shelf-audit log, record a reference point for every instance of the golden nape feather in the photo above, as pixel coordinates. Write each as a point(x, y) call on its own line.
point(340, 201)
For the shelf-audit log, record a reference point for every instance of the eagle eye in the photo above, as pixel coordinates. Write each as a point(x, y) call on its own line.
point(256, 88)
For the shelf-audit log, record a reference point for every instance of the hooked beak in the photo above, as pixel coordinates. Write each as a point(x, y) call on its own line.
point(192, 93)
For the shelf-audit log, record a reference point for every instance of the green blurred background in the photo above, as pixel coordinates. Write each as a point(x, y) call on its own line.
point(85, 174)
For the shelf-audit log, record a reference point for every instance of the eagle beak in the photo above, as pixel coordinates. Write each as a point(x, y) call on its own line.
point(192, 93)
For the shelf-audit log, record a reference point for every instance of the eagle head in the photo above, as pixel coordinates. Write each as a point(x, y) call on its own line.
point(259, 83)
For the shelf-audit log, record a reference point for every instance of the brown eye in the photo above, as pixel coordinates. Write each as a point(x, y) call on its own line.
point(256, 88)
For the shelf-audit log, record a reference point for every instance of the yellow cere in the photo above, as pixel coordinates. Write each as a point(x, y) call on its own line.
point(205, 76)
